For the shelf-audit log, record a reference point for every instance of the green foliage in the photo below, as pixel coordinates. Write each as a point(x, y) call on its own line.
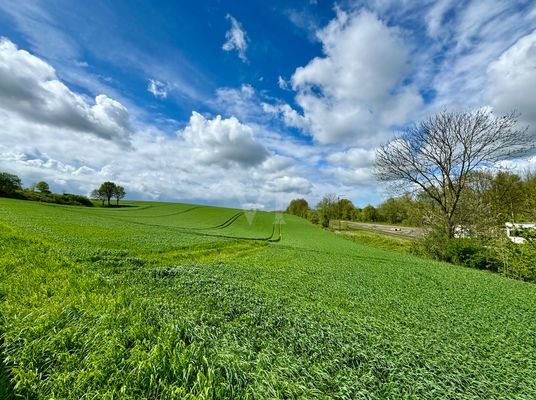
point(517, 260)
point(107, 190)
point(369, 214)
point(43, 187)
point(165, 301)
point(298, 207)
point(9, 183)
point(65, 198)
point(469, 252)
point(313, 216)
point(119, 193)
point(507, 195)
point(346, 210)
point(327, 209)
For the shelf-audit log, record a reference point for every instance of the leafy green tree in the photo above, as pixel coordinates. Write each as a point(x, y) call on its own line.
point(346, 210)
point(107, 190)
point(393, 210)
point(529, 187)
point(42, 186)
point(312, 215)
point(369, 214)
point(298, 207)
point(507, 195)
point(9, 183)
point(119, 193)
point(327, 209)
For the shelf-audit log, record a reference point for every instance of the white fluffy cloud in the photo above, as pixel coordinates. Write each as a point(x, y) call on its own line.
point(219, 160)
point(289, 115)
point(353, 158)
point(236, 38)
point(512, 80)
point(30, 88)
point(355, 91)
point(222, 142)
point(290, 184)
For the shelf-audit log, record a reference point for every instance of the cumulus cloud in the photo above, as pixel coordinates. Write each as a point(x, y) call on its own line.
point(290, 184)
point(222, 142)
point(360, 179)
point(30, 88)
point(511, 76)
point(289, 115)
point(354, 157)
point(356, 89)
point(236, 38)
point(157, 88)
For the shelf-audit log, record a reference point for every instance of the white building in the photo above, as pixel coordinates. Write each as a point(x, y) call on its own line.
point(512, 228)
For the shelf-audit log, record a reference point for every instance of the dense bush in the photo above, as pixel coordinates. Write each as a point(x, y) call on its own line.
point(517, 260)
point(65, 198)
point(471, 253)
point(499, 255)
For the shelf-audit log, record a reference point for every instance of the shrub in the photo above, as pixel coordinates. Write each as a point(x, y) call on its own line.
point(517, 260)
point(473, 253)
point(66, 198)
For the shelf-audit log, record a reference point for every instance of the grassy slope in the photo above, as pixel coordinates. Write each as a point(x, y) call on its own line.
point(380, 240)
point(159, 302)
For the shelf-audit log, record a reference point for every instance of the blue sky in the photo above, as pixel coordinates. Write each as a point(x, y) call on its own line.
point(246, 103)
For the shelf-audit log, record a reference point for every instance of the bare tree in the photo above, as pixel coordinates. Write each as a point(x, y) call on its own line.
point(439, 154)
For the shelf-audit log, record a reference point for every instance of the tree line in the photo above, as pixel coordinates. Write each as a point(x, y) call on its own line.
point(490, 199)
point(458, 193)
point(11, 186)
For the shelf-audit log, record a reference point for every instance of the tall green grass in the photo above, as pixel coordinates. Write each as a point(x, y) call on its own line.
point(156, 302)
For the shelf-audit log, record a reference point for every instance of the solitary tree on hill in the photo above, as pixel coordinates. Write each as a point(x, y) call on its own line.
point(108, 189)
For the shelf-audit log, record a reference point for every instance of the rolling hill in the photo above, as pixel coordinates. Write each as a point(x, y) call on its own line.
point(173, 301)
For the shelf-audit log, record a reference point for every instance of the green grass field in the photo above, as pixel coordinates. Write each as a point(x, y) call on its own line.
point(176, 301)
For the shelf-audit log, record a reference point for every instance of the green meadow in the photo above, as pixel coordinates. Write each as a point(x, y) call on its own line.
point(178, 301)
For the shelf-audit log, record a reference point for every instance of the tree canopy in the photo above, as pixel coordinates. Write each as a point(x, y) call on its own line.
point(43, 187)
point(9, 183)
point(298, 207)
point(107, 191)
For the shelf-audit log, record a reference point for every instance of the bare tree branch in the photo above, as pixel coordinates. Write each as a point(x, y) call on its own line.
point(439, 154)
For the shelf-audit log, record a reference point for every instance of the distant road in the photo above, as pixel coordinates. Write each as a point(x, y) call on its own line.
point(401, 231)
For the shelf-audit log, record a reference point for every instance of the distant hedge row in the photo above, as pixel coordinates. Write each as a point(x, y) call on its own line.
point(11, 186)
